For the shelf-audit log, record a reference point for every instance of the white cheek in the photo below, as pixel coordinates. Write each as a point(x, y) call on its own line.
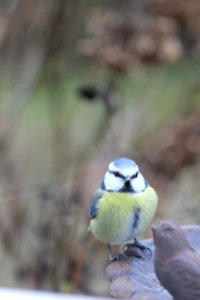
point(112, 182)
point(138, 184)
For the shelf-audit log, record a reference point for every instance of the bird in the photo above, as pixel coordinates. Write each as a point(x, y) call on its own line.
point(177, 265)
point(122, 207)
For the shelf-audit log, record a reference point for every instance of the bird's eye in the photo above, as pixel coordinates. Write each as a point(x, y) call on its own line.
point(135, 175)
point(117, 174)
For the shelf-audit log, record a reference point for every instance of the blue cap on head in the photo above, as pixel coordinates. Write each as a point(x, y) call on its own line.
point(124, 162)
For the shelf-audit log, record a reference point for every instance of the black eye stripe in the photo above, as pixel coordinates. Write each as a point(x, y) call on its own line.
point(135, 175)
point(117, 174)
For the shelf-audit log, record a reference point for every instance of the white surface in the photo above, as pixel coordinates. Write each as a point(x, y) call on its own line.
point(17, 294)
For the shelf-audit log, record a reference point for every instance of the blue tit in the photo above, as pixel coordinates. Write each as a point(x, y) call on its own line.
point(122, 207)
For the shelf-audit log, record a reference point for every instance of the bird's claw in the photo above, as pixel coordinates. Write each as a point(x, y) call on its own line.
point(128, 250)
point(119, 256)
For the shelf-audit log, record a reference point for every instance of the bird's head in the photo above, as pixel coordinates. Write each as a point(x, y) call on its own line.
point(169, 237)
point(123, 175)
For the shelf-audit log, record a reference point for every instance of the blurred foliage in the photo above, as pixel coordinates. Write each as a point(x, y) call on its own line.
point(62, 119)
point(145, 31)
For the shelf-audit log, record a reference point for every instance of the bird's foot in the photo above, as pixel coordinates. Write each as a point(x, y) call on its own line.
point(127, 250)
point(116, 257)
point(131, 252)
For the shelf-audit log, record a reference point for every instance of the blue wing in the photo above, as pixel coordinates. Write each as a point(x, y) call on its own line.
point(94, 203)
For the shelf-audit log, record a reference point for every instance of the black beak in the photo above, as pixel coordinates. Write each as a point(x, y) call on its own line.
point(127, 187)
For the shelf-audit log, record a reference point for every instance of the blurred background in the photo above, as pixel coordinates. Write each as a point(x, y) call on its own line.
point(82, 83)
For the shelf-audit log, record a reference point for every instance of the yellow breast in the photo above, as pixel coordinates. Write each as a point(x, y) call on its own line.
point(123, 216)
